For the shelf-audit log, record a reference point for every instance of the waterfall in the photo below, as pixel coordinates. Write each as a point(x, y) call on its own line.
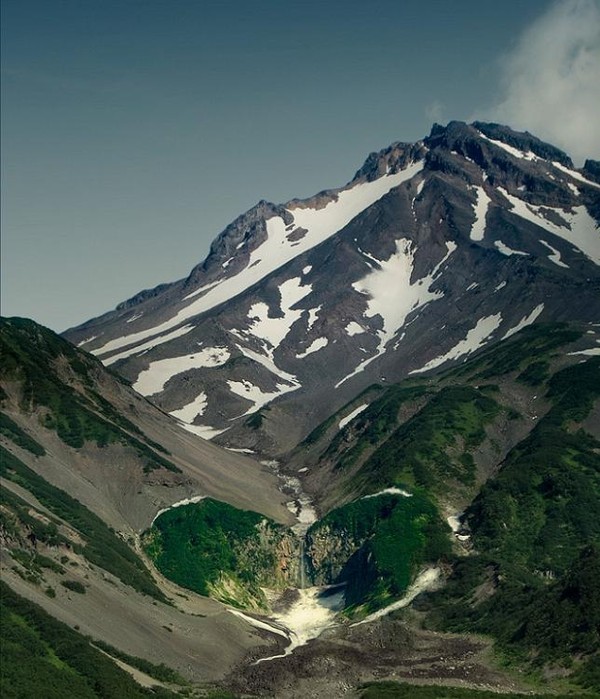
point(302, 576)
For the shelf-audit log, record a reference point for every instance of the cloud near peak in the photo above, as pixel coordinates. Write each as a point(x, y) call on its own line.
point(550, 81)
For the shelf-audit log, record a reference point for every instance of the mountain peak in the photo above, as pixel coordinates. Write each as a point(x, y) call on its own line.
point(433, 251)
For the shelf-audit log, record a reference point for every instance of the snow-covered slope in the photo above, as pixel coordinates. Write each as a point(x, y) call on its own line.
point(432, 251)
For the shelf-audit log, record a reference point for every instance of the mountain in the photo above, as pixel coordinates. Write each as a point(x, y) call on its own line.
point(510, 437)
point(431, 252)
point(86, 465)
point(419, 349)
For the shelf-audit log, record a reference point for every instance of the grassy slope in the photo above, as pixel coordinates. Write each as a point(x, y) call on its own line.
point(395, 690)
point(533, 521)
point(537, 526)
point(426, 431)
point(42, 657)
point(59, 380)
point(102, 546)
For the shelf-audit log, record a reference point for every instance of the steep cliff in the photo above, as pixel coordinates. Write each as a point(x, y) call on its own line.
point(229, 554)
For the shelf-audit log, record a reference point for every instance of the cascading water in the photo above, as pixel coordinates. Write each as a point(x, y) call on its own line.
point(302, 564)
point(311, 612)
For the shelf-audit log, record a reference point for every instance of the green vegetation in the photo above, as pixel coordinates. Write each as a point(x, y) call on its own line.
point(534, 344)
point(201, 544)
point(161, 672)
point(373, 425)
point(397, 690)
point(10, 429)
point(544, 503)
point(14, 517)
point(42, 657)
point(536, 588)
point(39, 359)
point(103, 547)
point(321, 429)
point(429, 449)
point(545, 621)
point(74, 586)
point(34, 564)
point(389, 537)
point(255, 421)
point(535, 374)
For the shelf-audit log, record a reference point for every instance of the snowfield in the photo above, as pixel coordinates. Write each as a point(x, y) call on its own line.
point(192, 410)
point(153, 379)
point(391, 294)
point(481, 206)
point(579, 227)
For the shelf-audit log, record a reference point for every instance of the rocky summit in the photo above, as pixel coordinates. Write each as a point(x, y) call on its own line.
point(432, 251)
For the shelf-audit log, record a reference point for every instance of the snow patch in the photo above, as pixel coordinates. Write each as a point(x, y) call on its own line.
point(270, 365)
point(525, 321)
point(353, 328)
point(246, 389)
point(454, 522)
point(591, 351)
point(389, 491)
point(204, 431)
point(89, 339)
point(579, 227)
point(392, 295)
point(146, 345)
point(426, 580)
point(206, 287)
point(515, 152)
point(191, 411)
point(153, 379)
point(180, 503)
point(357, 411)
point(555, 256)
point(476, 338)
point(307, 618)
point(482, 203)
point(313, 314)
point(274, 330)
point(505, 250)
point(575, 175)
point(315, 346)
point(258, 624)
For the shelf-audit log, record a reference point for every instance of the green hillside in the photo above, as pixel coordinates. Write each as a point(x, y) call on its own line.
point(218, 550)
point(501, 437)
point(59, 381)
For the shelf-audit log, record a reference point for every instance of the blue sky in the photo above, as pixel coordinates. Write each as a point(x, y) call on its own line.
point(134, 131)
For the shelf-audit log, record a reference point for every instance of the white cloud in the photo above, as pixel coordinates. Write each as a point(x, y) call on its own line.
point(434, 112)
point(551, 79)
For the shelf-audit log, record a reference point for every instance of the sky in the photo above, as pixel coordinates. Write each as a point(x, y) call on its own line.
point(134, 131)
